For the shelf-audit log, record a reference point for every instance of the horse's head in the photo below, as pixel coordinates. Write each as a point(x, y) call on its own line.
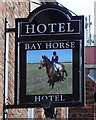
point(43, 62)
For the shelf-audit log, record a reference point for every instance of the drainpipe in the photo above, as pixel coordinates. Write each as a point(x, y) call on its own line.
point(30, 113)
point(6, 60)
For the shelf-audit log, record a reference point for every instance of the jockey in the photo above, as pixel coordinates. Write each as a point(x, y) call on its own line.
point(55, 62)
point(54, 58)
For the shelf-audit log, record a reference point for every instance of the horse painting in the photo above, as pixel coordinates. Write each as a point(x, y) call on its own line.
point(53, 74)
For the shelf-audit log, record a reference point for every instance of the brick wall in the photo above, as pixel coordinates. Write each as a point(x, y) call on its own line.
point(1, 65)
point(61, 113)
point(10, 10)
point(89, 111)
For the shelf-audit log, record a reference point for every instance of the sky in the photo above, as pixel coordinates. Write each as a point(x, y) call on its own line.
point(34, 56)
point(80, 7)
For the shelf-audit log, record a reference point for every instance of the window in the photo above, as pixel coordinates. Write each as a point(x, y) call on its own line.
point(92, 74)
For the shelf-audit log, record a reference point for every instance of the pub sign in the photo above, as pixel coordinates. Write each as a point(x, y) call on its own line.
point(48, 32)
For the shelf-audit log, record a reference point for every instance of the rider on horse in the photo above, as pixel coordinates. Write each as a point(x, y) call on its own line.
point(54, 58)
point(54, 61)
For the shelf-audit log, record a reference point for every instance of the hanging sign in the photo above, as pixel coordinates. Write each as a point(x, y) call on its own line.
point(50, 58)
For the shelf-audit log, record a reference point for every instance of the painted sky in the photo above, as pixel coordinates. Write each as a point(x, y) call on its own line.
point(34, 56)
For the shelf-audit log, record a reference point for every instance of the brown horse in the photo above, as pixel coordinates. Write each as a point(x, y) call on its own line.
point(51, 72)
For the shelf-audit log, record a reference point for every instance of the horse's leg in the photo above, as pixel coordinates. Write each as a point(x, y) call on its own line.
point(52, 81)
point(66, 73)
point(62, 76)
point(52, 85)
point(49, 79)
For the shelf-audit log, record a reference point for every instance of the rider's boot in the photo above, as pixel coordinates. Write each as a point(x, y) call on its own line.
point(58, 73)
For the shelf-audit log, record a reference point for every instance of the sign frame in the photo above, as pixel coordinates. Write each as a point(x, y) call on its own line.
point(44, 37)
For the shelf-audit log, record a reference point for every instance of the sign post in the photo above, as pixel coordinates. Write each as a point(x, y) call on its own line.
point(47, 29)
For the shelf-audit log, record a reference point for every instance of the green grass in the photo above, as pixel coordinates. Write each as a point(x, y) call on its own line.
point(37, 81)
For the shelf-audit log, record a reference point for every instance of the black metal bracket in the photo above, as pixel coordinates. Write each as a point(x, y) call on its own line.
point(10, 30)
point(50, 112)
point(45, 103)
point(15, 106)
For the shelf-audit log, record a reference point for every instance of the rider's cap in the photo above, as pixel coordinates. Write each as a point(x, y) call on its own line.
point(54, 53)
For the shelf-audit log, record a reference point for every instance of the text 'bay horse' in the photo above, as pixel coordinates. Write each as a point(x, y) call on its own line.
point(51, 72)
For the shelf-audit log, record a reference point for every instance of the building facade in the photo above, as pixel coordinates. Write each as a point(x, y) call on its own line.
point(10, 10)
point(88, 112)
